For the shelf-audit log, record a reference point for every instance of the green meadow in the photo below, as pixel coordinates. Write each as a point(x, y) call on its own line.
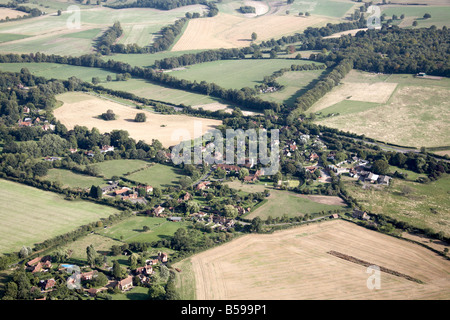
point(131, 230)
point(58, 71)
point(120, 167)
point(73, 180)
point(158, 175)
point(287, 203)
point(440, 16)
point(31, 215)
point(223, 73)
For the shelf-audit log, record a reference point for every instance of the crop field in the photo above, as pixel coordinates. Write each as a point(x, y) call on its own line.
point(83, 109)
point(53, 34)
point(230, 31)
point(294, 264)
point(158, 175)
point(422, 205)
point(370, 104)
point(31, 215)
point(10, 13)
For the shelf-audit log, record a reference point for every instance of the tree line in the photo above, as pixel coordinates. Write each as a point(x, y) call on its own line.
point(167, 5)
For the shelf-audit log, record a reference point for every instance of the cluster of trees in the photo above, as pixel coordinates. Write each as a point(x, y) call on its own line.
point(108, 38)
point(390, 50)
point(332, 79)
point(201, 57)
point(32, 12)
point(106, 44)
point(247, 9)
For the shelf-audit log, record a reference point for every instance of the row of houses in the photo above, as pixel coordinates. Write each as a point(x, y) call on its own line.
point(126, 193)
point(29, 122)
point(104, 149)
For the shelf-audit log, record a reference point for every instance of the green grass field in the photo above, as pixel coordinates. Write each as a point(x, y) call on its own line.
point(348, 107)
point(31, 215)
point(73, 180)
point(58, 71)
point(6, 37)
point(147, 60)
point(131, 230)
point(251, 72)
point(440, 16)
point(422, 205)
point(149, 90)
point(50, 33)
point(158, 176)
point(295, 84)
point(337, 9)
point(120, 167)
point(287, 203)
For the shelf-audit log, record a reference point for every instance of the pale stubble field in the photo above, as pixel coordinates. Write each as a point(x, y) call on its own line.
point(294, 264)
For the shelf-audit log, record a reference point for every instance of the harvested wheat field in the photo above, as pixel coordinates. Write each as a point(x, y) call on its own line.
point(84, 110)
point(230, 31)
point(10, 13)
point(378, 92)
point(304, 263)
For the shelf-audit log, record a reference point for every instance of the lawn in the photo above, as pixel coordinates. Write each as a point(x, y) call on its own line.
point(73, 180)
point(120, 167)
point(158, 175)
point(293, 205)
point(422, 205)
point(131, 230)
point(31, 215)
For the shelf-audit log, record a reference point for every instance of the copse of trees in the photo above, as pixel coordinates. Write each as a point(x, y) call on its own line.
point(390, 50)
point(106, 41)
point(247, 9)
point(332, 79)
